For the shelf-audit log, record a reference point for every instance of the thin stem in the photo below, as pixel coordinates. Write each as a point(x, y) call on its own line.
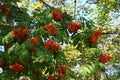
point(75, 8)
point(45, 3)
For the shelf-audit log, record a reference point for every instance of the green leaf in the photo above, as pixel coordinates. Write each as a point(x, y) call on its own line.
point(25, 56)
point(7, 38)
point(27, 45)
point(71, 73)
point(14, 48)
point(60, 57)
point(92, 51)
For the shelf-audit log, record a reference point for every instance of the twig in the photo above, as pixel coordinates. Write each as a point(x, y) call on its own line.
point(75, 8)
point(45, 3)
point(110, 33)
point(93, 2)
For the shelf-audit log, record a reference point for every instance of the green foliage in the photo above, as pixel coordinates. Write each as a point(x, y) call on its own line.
point(7, 38)
point(90, 69)
point(72, 54)
point(38, 61)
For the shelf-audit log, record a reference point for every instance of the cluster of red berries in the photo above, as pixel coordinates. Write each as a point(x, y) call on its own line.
point(50, 45)
point(95, 36)
point(73, 27)
point(51, 29)
point(34, 40)
point(17, 67)
point(4, 9)
point(20, 33)
point(105, 58)
point(57, 16)
point(51, 77)
point(60, 70)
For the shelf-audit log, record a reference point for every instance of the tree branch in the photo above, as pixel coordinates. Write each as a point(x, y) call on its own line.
point(92, 2)
point(45, 4)
point(75, 8)
point(110, 33)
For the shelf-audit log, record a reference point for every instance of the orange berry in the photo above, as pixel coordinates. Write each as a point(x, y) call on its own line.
point(5, 10)
point(16, 67)
point(51, 29)
point(95, 36)
point(57, 16)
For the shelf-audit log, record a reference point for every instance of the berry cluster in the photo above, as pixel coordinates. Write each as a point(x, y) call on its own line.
point(73, 27)
point(95, 36)
point(50, 45)
point(34, 40)
point(16, 67)
point(20, 33)
point(105, 58)
point(57, 16)
point(51, 77)
point(60, 70)
point(51, 29)
point(4, 9)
